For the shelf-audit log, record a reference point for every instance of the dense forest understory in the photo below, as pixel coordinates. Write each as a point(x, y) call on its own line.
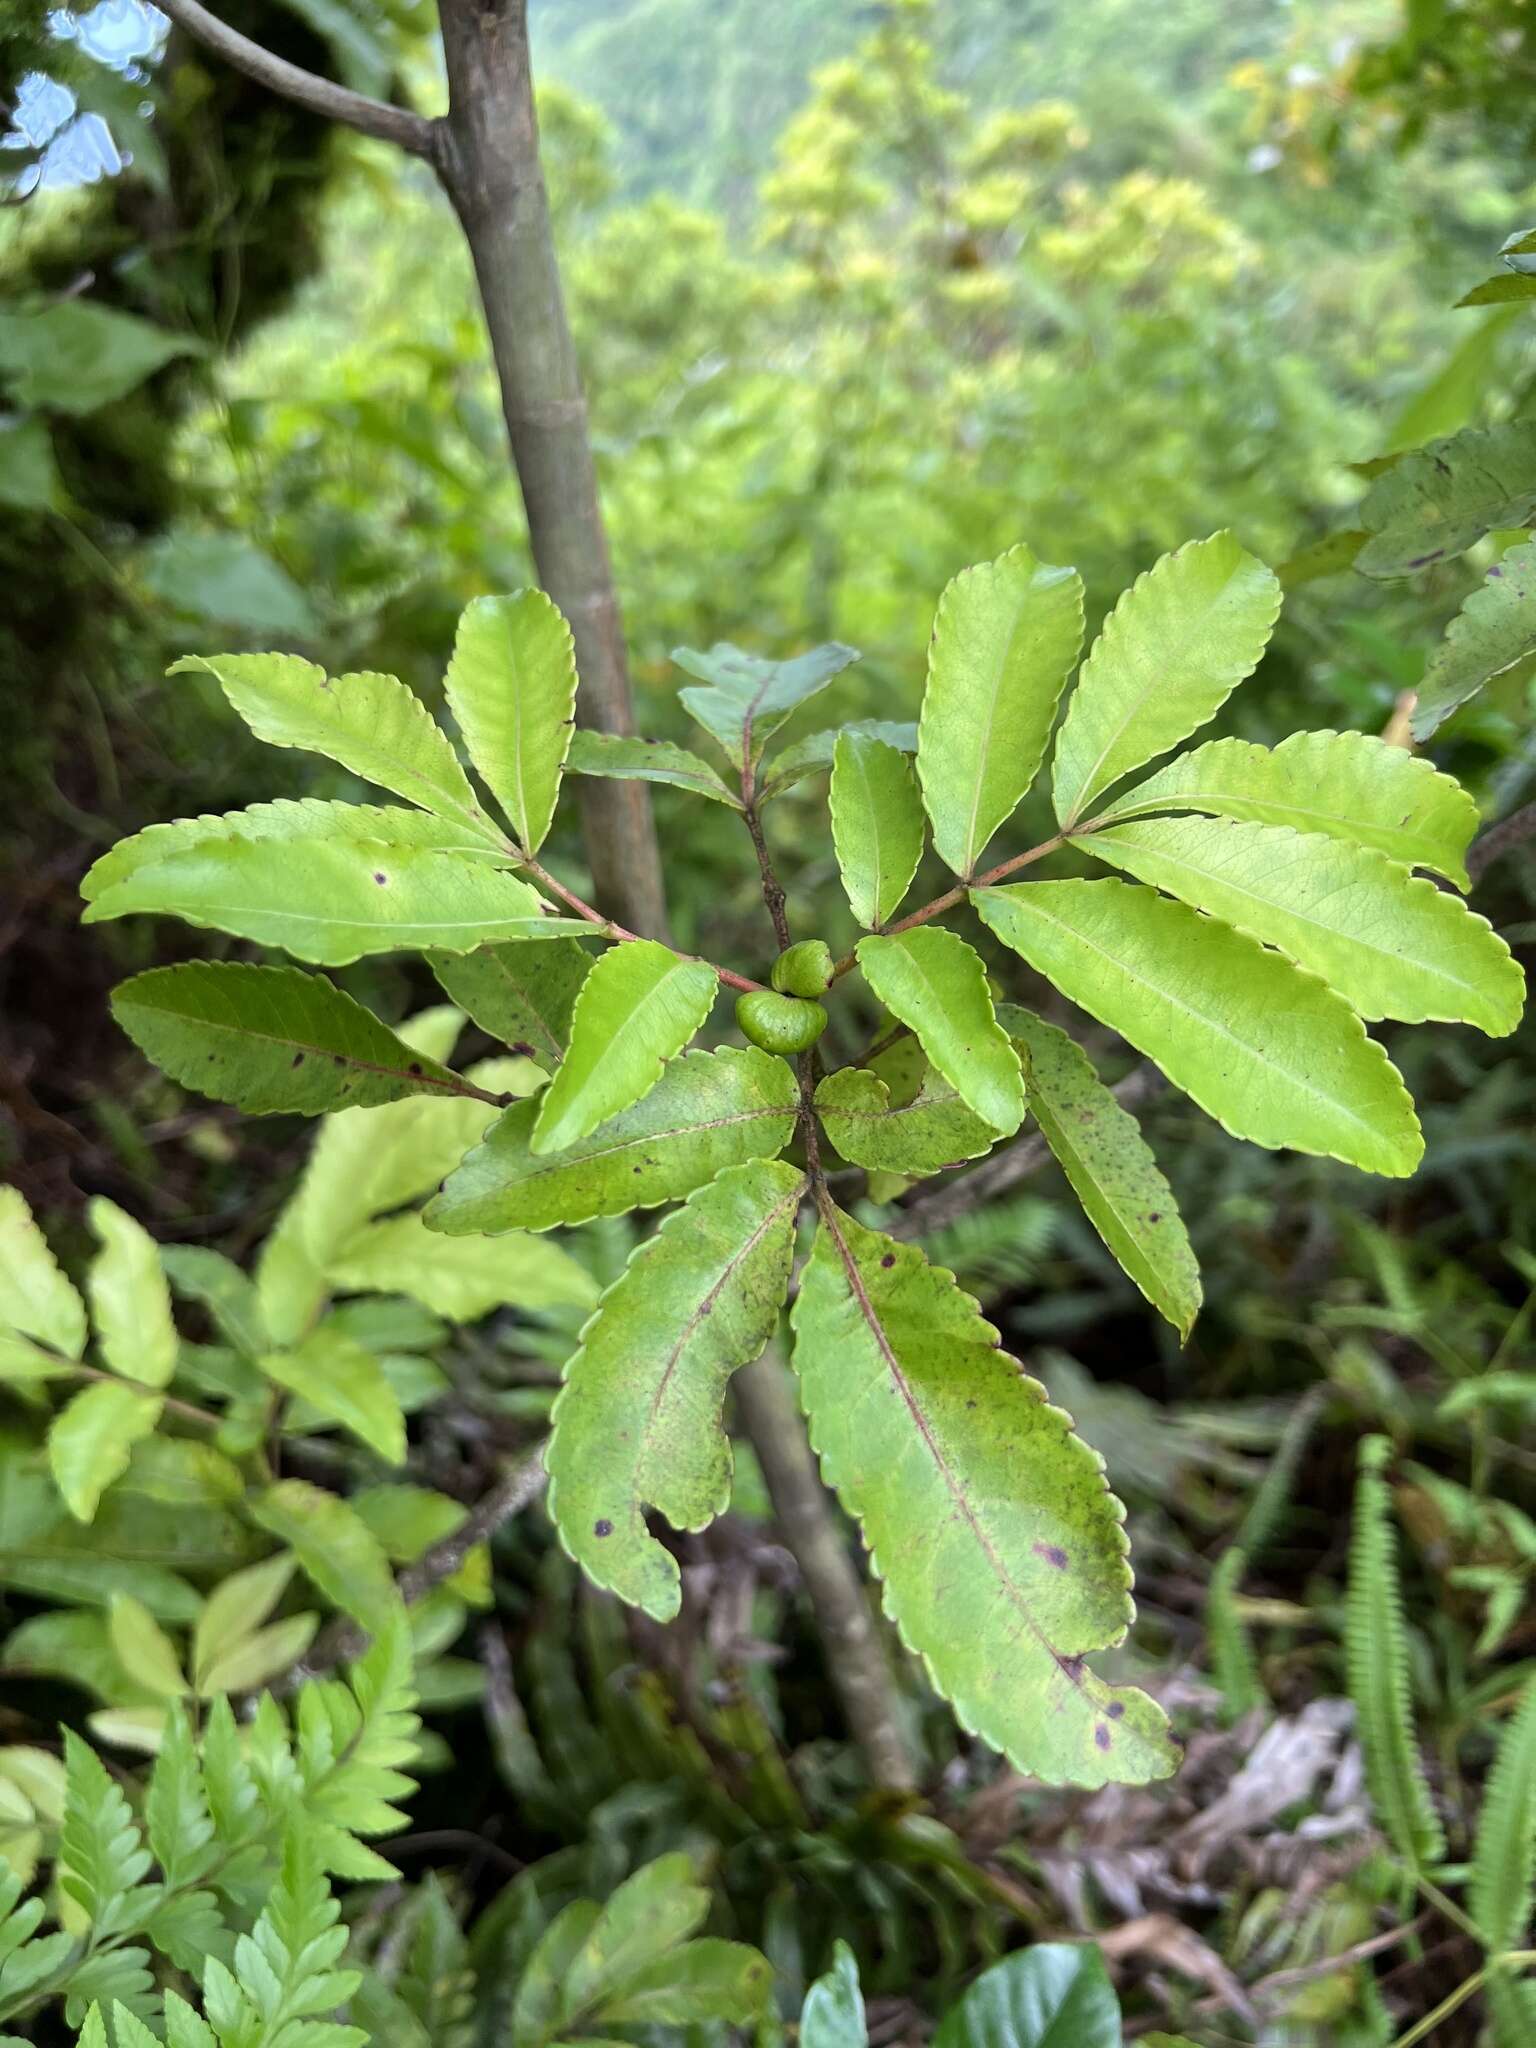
point(306, 1667)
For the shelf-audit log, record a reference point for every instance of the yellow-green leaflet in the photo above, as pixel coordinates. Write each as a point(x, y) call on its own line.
point(463, 1277)
point(1495, 628)
point(332, 901)
point(1393, 944)
point(877, 825)
point(346, 1384)
point(91, 1439)
point(35, 1296)
point(625, 758)
point(511, 684)
point(638, 1006)
point(271, 1039)
point(370, 723)
point(130, 1299)
point(1349, 785)
point(708, 1111)
point(935, 984)
point(1172, 651)
point(1264, 1047)
point(1004, 638)
point(1000, 1546)
point(334, 1546)
point(289, 818)
point(1099, 1147)
point(638, 1421)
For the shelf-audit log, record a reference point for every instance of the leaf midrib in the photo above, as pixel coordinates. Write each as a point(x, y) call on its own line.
point(920, 1422)
point(1214, 1024)
point(1334, 932)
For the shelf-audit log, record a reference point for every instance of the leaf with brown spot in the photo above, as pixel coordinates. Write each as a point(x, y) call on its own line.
point(968, 1486)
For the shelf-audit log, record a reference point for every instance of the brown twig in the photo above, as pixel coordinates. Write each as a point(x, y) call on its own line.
point(343, 1639)
point(1500, 839)
point(411, 131)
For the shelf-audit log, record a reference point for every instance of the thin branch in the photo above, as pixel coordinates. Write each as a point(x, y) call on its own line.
point(342, 1639)
point(411, 131)
point(620, 932)
point(1500, 839)
point(962, 889)
point(945, 1205)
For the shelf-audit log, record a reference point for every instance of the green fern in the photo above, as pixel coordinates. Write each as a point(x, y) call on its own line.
point(1376, 1655)
point(997, 1249)
point(1233, 1664)
point(1502, 1889)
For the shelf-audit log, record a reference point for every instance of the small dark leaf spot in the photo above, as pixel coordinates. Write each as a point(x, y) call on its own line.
point(889, 1259)
point(1101, 1735)
point(381, 879)
point(970, 1404)
point(337, 1060)
point(298, 1059)
point(1053, 1554)
point(414, 1067)
point(1115, 1710)
point(522, 1046)
point(1072, 1666)
point(603, 1527)
point(1154, 1216)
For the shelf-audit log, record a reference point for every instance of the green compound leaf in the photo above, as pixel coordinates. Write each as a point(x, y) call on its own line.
point(91, 1439)
point(1171, 653)
point(130, 1298)
point(463, 1279)
point(286, 819)
point(1503, 1883)
point(639, 1005)
point(814, 754)
point(1005, 636)
point(271, 1040)
point(523, 995)
point(1392, 944)
point(511, 684)
point(708, 1111)
point(35, 1297)
point(1265, 1048)
point(899, 1115)
point(877, 825)
point(333, 901)
point(625, 759)
point(334, 1546)
point(1001, 1547)
point(750, 696)
point(1099, 1147)
point(1495, 628)
point(1349, 785)
point(1434, 502)
point(1377, 1664)
point(346, 1384)
point(935, 984)
point(638, 1421)
point(370, 723)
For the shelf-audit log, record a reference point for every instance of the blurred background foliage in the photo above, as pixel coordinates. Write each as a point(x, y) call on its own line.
point(862, 295)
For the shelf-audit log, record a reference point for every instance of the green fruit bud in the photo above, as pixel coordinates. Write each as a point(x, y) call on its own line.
point(780, 1023)
point(803, 970)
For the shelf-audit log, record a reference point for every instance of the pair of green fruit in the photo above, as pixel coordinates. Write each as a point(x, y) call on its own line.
point(782, 1019)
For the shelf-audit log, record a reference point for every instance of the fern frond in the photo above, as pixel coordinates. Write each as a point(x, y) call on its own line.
point(1233, 1664)
point(1376, 1659)
point(996, 1248)
point(1502, 1889)
point(176, 1815)
point(284, 1970)
point(102, 1856)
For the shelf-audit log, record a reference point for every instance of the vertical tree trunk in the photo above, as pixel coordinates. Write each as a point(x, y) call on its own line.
point(488, 159)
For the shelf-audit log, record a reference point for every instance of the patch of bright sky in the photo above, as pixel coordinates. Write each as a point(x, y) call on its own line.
point(74, 145)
